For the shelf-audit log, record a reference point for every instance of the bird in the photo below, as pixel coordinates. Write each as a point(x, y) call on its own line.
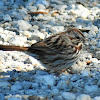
point(57, 52)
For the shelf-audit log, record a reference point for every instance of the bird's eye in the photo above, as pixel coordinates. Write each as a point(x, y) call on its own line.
point(78, 37)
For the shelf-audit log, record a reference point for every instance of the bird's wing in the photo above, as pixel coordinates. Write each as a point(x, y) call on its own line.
point(56, 43)
point(41, 46)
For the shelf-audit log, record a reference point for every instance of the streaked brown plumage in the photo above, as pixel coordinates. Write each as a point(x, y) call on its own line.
point(58, 51)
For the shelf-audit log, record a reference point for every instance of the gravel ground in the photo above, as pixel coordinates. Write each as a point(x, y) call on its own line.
point(24, 22)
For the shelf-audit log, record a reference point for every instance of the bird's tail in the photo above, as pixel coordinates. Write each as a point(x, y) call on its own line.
point(13, 48)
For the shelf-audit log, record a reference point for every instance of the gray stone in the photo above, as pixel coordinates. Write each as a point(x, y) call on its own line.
point(54, 92)
point(4, 84)
point(43, 2)
point(1, 96)
point(16, 86)
point(98, 54)
point(14, 98)
point(62, 84)
point(7, 18)
point(1, 17)
point(75, 77)
point(41, 7)
point(58, 98)
point(45, 79)
point(35, 85)
point(91, 89)
point(1, 4)
point(23, 25)
point(68, 96)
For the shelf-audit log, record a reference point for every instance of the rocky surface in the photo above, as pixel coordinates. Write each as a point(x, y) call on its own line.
point(24, 22)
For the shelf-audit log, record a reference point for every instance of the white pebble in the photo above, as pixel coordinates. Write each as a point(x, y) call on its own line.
point(40, 6)
point(95, 60)
point(1, 30)
point(97, 98)
point(83, 97)
point(57, 29)
point(80, 11)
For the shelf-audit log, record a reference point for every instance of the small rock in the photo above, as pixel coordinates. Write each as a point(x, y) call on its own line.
point(63, 7)
point(75, 77)
point(52, 22)
point(62, 85)
point(97, 98)
point(97, 22)
point(1, 17)
point(98, 55)
point(91, 89)
point(30, 92)
point(83, 97)
point(98, 83)
point(1, 30)
point(78, 10)
point(93, 27)
point(1, 96)
point(18, 40)
point(57, 29)
point(93, 47)
point(91, 34)
point(46, 80)
point(4, 84)
point(41, 7)
point(25, 97)
point(68, 96)
point(35, 85)
point(37, 98)
point(39, 72)
point(38, 35)
point(55, 92)
point(43, 2)
point(1, 4)
point(58, 98)
point(85, 73)
point(14, 98)
point(23, 25)
point(7, 18)
point(76, 68)
point(26, 84)
point(95, 60)
point(19, 2)
point(16, 86)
